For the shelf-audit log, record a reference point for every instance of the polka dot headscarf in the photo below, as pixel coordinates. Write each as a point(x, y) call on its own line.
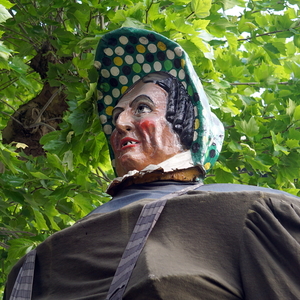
point(127, 54)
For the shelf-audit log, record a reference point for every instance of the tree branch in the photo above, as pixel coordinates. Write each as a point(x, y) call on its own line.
point(267, 33)
point(256, 83)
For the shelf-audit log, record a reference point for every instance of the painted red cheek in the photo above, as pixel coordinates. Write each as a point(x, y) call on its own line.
point(147, 124)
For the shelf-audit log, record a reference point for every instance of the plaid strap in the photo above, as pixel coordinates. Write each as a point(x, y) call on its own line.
point(145, 223)
point(22, 289)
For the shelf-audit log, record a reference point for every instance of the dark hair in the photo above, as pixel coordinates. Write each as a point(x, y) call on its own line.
point(180, 110)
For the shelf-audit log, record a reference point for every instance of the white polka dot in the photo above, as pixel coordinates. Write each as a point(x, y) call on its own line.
point(178, 51)
point(99, 95)
point(173, 72)
point(143, 40)
point(170, 54)
point(103, 119)
point(108, 51)
point(195, 111)
point(97, 64)
point(105, 73)
point(119, 51)
point(129, 59)
point(107, 129)
point(123, 80)
point(146, 68)
point(114, 71)
point(116, 93)
point(157, 66)
point(135, 78)
point(181, 74)
point(140, 58)
point(152, 48)
point(184, 84)
point(123, 40)
point(108, 99)
point(195, 136)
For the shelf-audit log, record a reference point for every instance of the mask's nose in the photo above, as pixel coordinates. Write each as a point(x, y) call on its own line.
point(124, 121)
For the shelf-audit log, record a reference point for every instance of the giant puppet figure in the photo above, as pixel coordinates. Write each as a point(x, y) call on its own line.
point(165, 235)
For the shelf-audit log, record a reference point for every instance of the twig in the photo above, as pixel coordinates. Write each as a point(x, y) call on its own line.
point(8, 83)
point(16, 32)
point(147, 11)
point(256, 83)
point(192, 13)
point(4, 245)
point(46, 105)
point(103, 173)
point(267, 33)
point(40, 124)
point(7, 105)
point(89, 22)
point(14, 232)
point(3, 112)
point(102, 22)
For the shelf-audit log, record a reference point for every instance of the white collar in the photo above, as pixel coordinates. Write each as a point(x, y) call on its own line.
point(179, 161)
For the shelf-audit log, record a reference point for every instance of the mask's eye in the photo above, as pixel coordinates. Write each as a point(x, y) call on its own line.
point(143, 108)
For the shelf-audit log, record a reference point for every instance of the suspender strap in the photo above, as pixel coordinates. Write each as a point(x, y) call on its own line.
point(145, 223)
point(22, 289)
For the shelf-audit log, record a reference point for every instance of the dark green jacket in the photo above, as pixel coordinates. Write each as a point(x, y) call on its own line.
point(206, 245)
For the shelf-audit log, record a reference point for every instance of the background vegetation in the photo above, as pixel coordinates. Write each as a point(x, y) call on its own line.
point(54, 164)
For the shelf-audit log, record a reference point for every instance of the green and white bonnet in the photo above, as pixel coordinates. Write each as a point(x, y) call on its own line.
point(125, 55)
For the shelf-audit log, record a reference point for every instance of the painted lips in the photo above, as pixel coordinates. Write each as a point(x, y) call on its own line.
point(128, 142)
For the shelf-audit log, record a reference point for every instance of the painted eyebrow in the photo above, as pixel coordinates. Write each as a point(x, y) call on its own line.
point(139, 97)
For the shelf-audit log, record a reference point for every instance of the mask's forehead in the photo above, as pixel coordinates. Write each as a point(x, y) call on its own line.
point(126, 55)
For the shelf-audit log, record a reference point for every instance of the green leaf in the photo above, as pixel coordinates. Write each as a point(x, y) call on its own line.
point(54, 161)
point(78, 119)
point(5, 53)
point(297, 40)
point(250, 128)
point(256, 164)
point(18, 248)
point(271, 47)
point(296, 115)
point(6, 4)
point(201, 8)
point(39, 175)
point(291, 107)
point(18, 65)
point(83, 202)
point(230, 4)
point(68, 160)
point(39, 219)
point(4, 14)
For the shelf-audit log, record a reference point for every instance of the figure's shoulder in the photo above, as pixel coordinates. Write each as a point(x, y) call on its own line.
point(229, 188)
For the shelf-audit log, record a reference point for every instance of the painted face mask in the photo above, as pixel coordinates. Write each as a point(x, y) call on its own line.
point(125, 56)
point(142, 134)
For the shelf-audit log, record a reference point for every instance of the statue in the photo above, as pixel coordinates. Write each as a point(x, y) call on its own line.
point(165, 235)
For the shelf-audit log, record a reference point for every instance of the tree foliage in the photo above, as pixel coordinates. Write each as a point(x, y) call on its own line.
point(54, 164)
